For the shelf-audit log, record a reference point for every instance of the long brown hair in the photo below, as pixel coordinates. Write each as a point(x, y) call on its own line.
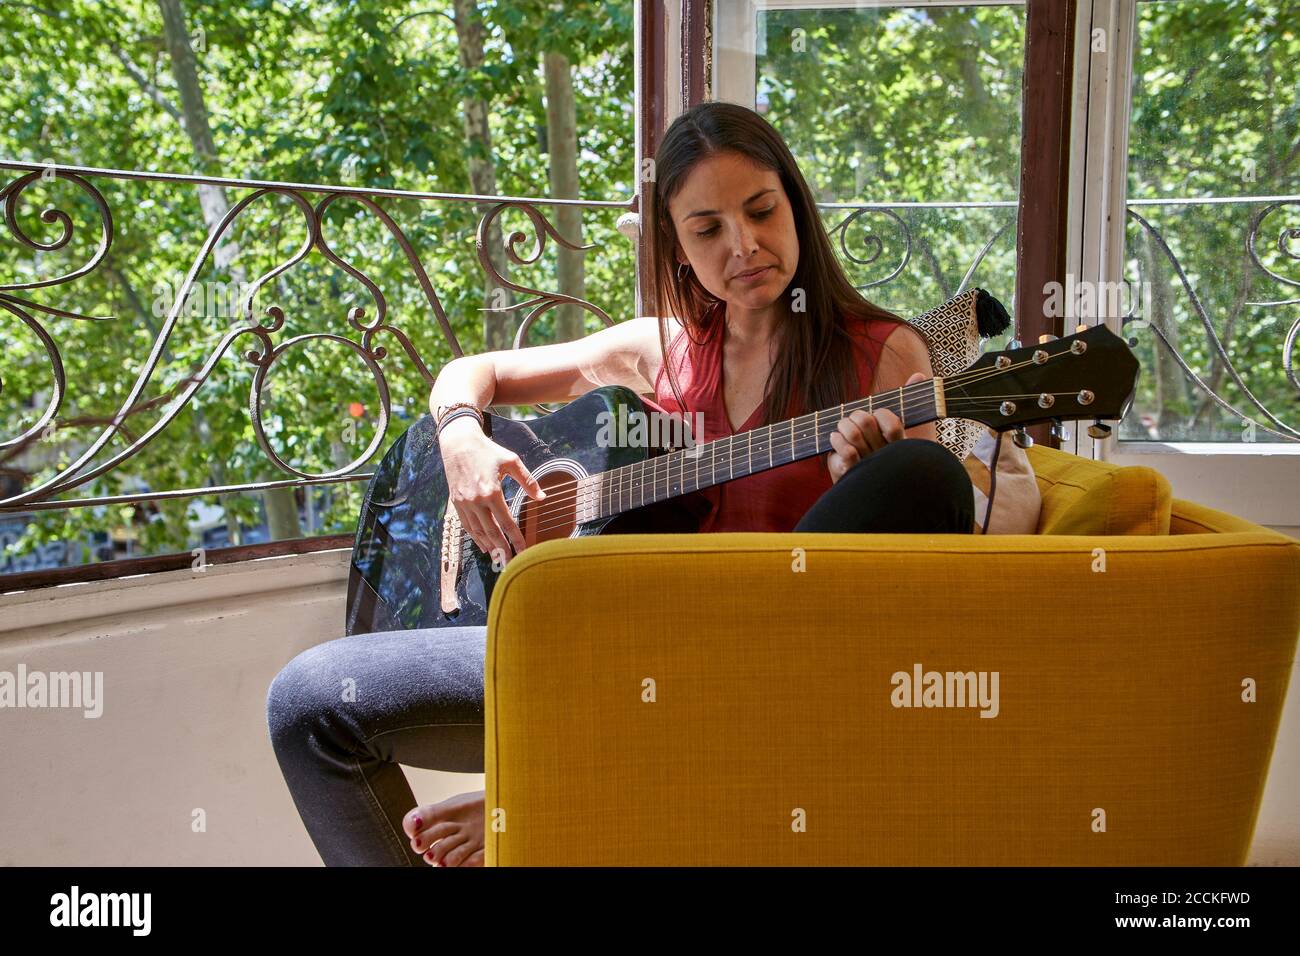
point(815, 360)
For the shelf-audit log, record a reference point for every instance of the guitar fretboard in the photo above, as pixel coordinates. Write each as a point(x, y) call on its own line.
point(744, 453)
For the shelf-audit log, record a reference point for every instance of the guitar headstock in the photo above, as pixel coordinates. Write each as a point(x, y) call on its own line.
point(1090, 374)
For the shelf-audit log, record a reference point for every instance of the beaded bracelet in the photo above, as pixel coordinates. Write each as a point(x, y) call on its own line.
point(442, 410)
point(459, 413)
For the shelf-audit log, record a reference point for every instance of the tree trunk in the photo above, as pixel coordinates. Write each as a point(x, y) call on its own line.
point(1171, 384)
point(281, 506)
point(1170, 381)
point(282, 520)
point(562, 150)
point(959, 32)
point(482, 174)
point(1214, 378)
point(194, 113)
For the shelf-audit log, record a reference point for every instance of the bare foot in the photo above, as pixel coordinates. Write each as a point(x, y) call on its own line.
point(449, 833)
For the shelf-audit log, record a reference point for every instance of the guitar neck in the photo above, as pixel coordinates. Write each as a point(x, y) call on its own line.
point(769, 446)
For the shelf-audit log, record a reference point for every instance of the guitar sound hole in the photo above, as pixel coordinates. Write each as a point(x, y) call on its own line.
point(555, 515)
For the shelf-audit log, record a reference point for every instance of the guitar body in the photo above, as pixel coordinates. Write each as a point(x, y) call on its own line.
point(396, 581)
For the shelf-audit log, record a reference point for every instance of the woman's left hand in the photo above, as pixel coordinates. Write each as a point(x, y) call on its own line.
point(859, 434)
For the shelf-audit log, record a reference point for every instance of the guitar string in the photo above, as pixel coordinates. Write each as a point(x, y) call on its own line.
point(583, 496)
point(917, 396)
point(920, 390)
point(574, 491)
point(560, 509)
point(589, 494)
point(552, 505)
point(567, 520)
point(564, 517)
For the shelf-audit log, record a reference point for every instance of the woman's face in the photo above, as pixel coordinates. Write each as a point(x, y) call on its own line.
point(732, 217)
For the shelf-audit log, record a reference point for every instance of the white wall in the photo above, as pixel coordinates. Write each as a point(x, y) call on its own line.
point(187, 658)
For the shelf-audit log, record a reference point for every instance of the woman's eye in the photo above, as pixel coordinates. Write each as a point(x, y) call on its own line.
point(762, 214)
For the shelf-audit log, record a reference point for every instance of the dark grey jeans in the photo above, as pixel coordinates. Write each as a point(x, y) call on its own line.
point(343, 714)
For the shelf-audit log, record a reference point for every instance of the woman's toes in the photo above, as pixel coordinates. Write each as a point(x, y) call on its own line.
point(460, 853)
point(431, 835)
point(475, 858)
point(416, 820)
point(441, 850)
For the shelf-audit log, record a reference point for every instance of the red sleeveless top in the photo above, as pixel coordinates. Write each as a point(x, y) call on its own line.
point(771, 500)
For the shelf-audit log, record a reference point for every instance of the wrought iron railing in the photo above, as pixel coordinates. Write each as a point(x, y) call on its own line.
point(20, 300)
point(890, 263)
point(878, 243)
point(1222, 362)
point(900, 217)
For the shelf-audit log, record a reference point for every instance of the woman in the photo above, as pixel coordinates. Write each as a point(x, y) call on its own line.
point(764, 320)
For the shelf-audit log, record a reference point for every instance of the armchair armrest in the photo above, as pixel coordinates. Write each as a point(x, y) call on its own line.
point(733, 698)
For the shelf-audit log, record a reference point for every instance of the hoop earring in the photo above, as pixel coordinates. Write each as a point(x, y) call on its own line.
point(681, 276)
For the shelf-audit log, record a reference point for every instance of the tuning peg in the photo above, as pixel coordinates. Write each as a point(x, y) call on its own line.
point(1013, 344)
point(1021, 438)
point(1059, 431)
point(1045, 338)
point(1098, 431)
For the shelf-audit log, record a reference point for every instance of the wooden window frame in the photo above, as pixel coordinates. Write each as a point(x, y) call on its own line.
point(1041, 226)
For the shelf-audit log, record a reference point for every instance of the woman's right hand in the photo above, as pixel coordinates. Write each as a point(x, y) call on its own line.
point(474, 466)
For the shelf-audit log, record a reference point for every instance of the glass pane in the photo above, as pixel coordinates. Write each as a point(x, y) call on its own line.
point(1211, 237)
point(906, 123)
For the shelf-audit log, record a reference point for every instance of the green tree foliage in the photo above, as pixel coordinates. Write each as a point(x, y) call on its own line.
point(346, 93)
point(1216, 98)
point(905, 106)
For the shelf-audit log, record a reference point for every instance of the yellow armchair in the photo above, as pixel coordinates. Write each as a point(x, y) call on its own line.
point(832, 699)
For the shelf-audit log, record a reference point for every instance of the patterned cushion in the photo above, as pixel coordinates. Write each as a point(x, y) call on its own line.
point(953, 332)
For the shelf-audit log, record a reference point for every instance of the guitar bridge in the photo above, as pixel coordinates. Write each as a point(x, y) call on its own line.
point(451, 541)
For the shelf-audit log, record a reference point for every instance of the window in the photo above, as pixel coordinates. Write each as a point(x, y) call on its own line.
point(1186, 184)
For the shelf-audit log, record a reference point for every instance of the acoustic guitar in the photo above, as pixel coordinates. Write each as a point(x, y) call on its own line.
point(414, 566)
